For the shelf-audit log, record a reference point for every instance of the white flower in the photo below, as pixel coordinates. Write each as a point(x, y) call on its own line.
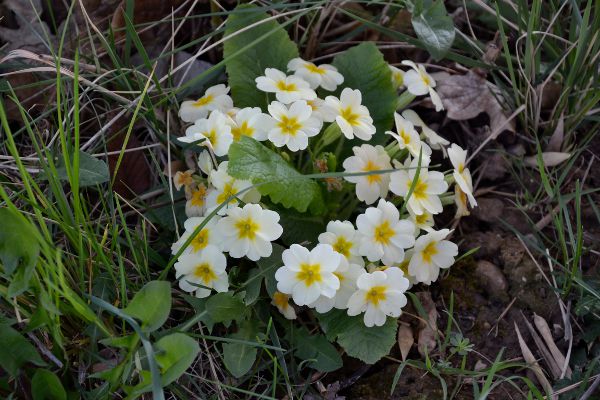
point(201, 272)
point(380, 294)
point(344, 239)
point(226, 186)
point(293, 125)
point(249, 231)
point(347, 274)
point(408, 137)
point(281, 301)
point(318, 106)
point(183, 179)
point(215, 129)
point(397, 77)
point(205, 162)
point(428, 187)
point(324, 75)
point(195, 206)
point(462, 175)
point(419, 82)
point(460, 199)
point(306, 275)
point(435, 141)
point(384, 235)
point(423, 221)
point(207, 235)
point(432, 252)
point(215, 98)
point(250, 121)
point(368, 158)
point(351, 116)
point(287, 89)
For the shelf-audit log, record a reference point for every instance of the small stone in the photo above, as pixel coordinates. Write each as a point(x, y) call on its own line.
point(488, 209)
point(511, 252)
point(488, 243)
point(492, 279)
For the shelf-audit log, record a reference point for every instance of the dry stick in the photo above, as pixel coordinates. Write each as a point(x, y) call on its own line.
point(504, 312)
point(591, 389)
point(547, 356)
point(212, 365)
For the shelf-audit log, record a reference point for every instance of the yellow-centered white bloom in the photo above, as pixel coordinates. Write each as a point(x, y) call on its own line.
point(317, 106)
point(344, 239)
point(351, 116)
point(397, 77)
point(201, 272)
point(368, 158)
point(347, 273)
point(435, 141)
point(292, 126)
point(423, 221)
point(282, 302)
point(324, 75)
point(287, 89)
point(380, 294)
point(427, 189)
point(205, 162)
point(215, 130)
point(408, 137)
point(249, 231)
point(460, 199)
point(384, 234)
point(183, 179)
point(225, 186)
point(404, 268)
point(250, 121)
point(432, 252)
point(462, 175)
point(306, 275)
point(419, 82)
point(195, 206)
point(215, 98)
point(208, 235)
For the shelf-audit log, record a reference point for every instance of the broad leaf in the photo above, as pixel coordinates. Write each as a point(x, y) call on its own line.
point(253, 285)
point(223, 307)
point(322, 354)
point(239, 357)
point(434, 27)
point(174, 354)
point(247, 54)
point(365, 69)
point(151, 305)
point(366, 344)
point(249, 159)
point(19, 249)
point(16, 351)
point(45, 385)
point(269, 265)
point(298, 227)
point(92, 171)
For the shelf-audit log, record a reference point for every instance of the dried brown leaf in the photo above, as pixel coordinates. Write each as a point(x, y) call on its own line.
point(426, 340)
point(556, 140)
point(405, 340)
point(550, 158)
point(31, 31)
point(533, 364)
point(544, 329)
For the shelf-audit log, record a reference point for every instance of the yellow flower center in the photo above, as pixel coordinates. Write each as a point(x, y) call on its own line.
point(421, 219)
point(420, 190)
point(211, 136)
point(405, 136)
point(205, 272)
point(461, 168)
point(371, 166)
point(280, 300)
point(429, 251)
point(228, 190)
point(425, 78)
point(342, 246)
point(242, 130)
point(201, 240)
point(309, 274)
point(206, 99)
point(247, 228)
point(349, 115)
point(376, 294)
point(286, 87)
point(383, 233)
point(312, 104)
point(183, 178)
point(404, 267)
point(398, 78)
point(199, 196)
point(339, 276)
point(314, 69)
point(289, 126)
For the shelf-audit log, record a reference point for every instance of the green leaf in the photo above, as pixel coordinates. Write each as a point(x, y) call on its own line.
point(366, 344)
point(174, 355)
point(365, 69)
point(298, 228)
point(250, 160)
point(269, 265)
point(45, 385)
point(253, 286)
point(19, 249)
point(224, 307)
point(92, 171)
point(239, 358)
point(324, 355)
point(15, 351)
point(434, 27)
point(151, 305)
point(247, 54)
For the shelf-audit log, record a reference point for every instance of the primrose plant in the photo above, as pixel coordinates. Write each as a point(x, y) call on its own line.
point(303, 183)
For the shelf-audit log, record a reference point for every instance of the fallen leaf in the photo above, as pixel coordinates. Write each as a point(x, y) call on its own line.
point(466, 96)
point(426, 340)
point(556, 140)
point(533, 364)
point(145, 11)
point(544, 329)
point(550, 158)
point(405, 340)
point(550, 361)
point(32, 31)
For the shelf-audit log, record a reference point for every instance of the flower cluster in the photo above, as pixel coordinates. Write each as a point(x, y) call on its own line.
point(365, 266)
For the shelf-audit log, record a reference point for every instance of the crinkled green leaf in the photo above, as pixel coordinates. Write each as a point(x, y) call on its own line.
point(45, 385)
point(16, 351)
point(224, 307)
point(434, 27)
point(247, 54)
point(322, 354)
point(365, 69)
point(92, 171)
point(250, 160)
point(151, 305)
